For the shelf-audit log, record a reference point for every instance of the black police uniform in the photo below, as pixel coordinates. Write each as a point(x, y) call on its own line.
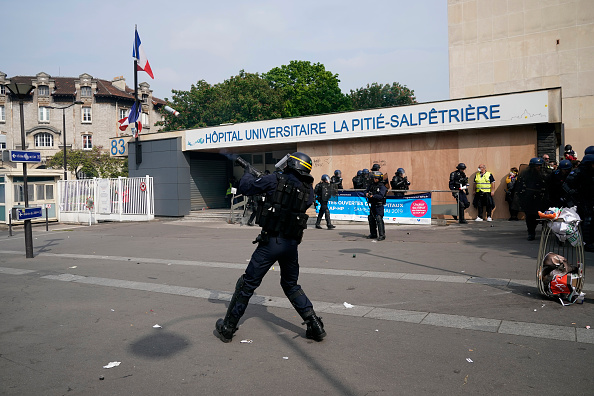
point(336, 181)
point(458, 181)
point(283, 219)
point(532, 192)
point(359, 182)
point(556, 193)
point(399, 183)
point(323, 194)
point(376, 210)
point(579, 187)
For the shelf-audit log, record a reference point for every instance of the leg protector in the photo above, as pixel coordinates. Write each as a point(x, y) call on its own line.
point(315, 326)
point(372, 227)
point(381, 229)
point(228, 326)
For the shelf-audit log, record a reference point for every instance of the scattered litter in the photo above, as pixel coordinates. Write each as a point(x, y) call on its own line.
point(466, 378)
point(112, 364)
point(588, 327)
point(247, 342)
point(573, 323)
point(157, 326)
point(347, 305)
point(286, 357)
point(528, 293)
point(168, 263)
point(354, 255)
point(535, 310)
point(374, 241)
point(74, 266)
point(469, 360)
point(112, 310)
point(543, 306)
point(101, 378)
point(471, 350)
point(462, 271)
point(376, 330)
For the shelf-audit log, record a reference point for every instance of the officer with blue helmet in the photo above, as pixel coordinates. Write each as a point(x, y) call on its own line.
point(589, 150)
point(532, 189)
point(399, 182)
point(459, 182)
point(358, 180)
point(323, 192)
point(283, 220)
point(376, 196)
point(336, 180)
point(579, 187)
point(556, 192)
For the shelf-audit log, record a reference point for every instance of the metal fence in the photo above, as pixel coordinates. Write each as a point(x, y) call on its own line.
point(93, 200)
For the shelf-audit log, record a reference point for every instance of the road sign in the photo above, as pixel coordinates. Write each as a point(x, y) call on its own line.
point(25, 156)
point(26, 213)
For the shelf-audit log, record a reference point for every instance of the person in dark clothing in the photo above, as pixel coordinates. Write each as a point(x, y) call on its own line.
point(579, 190)
point(400, 182)
point(556, 181)
point(358, 181)
point(323, 194)
point(459, 182)
point(531, 188)
point(336, 180)
point(376, 196)
point(366, 178)
point(510, 182)
point(283, 220)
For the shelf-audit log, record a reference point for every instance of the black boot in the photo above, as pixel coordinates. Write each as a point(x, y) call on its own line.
point(315, 326)
point(381, 228)
point(372, 227)
point(228, 326)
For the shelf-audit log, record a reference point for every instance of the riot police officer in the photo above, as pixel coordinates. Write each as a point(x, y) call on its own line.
point(358, 180)
point(579, 187)
point(323, 193)
point(336, 180)
point(399, 182)
point(376, 196)
point(283, 219)
point(531, 188)
point(556, 181)
point(366, 179)
point(459, 182)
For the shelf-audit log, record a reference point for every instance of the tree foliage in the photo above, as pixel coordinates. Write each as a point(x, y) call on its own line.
point(91, 163)
point(307, 89)
point(376, 95)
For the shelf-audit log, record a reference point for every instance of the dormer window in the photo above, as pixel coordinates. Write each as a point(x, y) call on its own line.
point(2, 90)
point(145, 98)
point(86, 92)
point(43, 90)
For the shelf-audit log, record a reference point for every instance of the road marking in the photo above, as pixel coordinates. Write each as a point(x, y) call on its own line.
point(536, 330)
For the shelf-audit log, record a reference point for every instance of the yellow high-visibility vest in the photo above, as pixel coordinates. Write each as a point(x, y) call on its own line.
point(482, 182)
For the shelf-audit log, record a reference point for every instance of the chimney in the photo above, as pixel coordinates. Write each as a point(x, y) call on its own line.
point(119, 83)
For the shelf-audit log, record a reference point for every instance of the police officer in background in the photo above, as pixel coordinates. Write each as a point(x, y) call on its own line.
point(358, 180)
point(336, 180)
point(323, 193)
point(459, 182)
point(532, 190)
point(283, 219)
point(366, 179)
point(579, 187)
point(556, 181)
point(399, 182)
point(376, 196)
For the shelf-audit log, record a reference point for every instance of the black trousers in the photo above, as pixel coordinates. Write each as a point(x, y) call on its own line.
point(324, 212)
point(483, 199)
point(531, 222)
point(266, 254)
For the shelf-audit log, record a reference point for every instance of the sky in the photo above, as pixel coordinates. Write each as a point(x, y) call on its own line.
point(187, 41)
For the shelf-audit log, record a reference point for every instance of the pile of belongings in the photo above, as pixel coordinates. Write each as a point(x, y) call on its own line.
point(561, 279)
point(567, 229)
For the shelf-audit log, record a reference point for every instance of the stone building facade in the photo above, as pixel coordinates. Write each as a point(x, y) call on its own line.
point(503, 46)
point(90, 124)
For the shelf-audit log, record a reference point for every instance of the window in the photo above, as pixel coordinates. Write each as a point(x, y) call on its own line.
point(85, 91)
point(123, 113)
point(40, 190)
point(144, 119)
point(19, 192)
point(49, 191)
point(43, 90)
point(2, 145)
point(44, 139)
point(87, 142)
point(144, 98)
point(86, 114)
point(44, 114)
point(2, 90)
point(2, 113)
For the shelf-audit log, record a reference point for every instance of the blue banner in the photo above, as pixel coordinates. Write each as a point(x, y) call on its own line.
point(410, 209)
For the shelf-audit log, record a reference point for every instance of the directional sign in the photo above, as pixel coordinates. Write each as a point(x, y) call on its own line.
point(25, 156)
point(27, 213)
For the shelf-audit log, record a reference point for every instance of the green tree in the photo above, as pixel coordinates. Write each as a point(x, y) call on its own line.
point(376, 95)
point(91, 163)
point(307, 89)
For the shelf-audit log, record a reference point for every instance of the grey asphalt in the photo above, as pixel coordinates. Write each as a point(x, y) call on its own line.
point(435, 310)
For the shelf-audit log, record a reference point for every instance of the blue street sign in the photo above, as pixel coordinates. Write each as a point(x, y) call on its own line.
point(25, 156)
point(27, 213)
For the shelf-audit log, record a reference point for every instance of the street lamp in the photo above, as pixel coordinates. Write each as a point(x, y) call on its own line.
point(64, 131)
point(22, 91)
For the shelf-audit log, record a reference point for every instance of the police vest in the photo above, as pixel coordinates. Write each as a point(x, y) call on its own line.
point(283, 211)
point(483, 184)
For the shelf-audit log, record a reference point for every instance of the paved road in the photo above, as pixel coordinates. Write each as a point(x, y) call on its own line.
point(436, 310)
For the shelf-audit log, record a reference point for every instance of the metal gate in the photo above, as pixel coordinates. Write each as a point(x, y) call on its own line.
point(208, 182)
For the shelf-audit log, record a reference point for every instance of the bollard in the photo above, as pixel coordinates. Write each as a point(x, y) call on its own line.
point(10, 223)
point(46, 220)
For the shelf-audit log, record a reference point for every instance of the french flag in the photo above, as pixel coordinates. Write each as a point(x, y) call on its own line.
point(140, 56)
point(131, 118)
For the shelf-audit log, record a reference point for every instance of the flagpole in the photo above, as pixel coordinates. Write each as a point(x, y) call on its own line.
point(138, 147)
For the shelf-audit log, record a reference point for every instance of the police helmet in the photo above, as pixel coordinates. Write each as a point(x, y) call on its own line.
point(299, 162)
point(400, 170)
point(588, 159)
point(565, 164)
point(461, 166)
point(536, 161)
point(568, 147)
point(589, 150)
point(359, 172)
point(325, 178)
point(377, 175)
point(365, 172)
point(375, 167)
point(337, 173)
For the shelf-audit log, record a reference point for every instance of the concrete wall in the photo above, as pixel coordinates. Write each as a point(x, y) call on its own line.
point(502, 46)
point(170, 169)
point(428, 158)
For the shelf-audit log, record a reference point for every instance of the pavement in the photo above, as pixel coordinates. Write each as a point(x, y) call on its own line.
point(431, 310)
